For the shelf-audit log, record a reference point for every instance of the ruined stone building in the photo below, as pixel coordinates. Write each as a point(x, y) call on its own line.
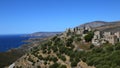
point(77, 30)
point(118, 35)
point(97, 38)
point(104, 37)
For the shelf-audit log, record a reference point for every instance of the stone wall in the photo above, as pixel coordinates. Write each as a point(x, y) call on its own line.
point(100, 38)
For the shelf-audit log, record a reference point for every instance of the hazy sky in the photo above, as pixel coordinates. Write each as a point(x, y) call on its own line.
point(28, 16)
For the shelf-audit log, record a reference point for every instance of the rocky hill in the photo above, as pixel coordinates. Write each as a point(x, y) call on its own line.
point(103, 26)
point(44, 34)
point(111, 27)
point(94, 24)
point(73, 49)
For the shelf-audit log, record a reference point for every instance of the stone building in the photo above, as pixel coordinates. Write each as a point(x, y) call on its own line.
point(112, 39)
point(78, 30)
point(118, 35)
point(100, 38)
point(97, 38)
point(88, 28)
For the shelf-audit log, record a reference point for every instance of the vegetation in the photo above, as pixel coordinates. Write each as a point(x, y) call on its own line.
point(63, 66)
point(55, 65)
point(62, 57)
point(6, 58)
point(89, 36)
point(106, 56)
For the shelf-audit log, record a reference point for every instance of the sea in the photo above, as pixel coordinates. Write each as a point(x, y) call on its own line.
point(8, 42)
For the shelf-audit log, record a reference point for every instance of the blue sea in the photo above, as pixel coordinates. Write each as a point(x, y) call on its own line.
point(8, 42)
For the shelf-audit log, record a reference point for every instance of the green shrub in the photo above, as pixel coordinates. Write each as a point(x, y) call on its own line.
point(52, 58)
point(55, 65)
point(62, 57)
point(73, 63)
point(89, 37)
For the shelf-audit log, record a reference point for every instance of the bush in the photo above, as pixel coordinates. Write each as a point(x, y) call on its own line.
point(89, 37)
point(30, 59)
point(117, 46)
point(44, 51)
point(40, 57)
point(52, 58)
point(54, 48)
point(62, 49)
point(73, 63)
point(45, 62)
point(69, 42)
point(63, 66)
point(55, 65)
point(62, 58)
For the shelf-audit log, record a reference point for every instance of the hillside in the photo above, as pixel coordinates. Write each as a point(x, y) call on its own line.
point(94, 24)
point(12, 55)
point(73, 49)
point(103, 26)
point(44, 34)
point(112, 27)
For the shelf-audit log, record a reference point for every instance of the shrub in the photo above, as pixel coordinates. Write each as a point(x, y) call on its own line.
point(45, 62)
point(55, 65)
point(52, 58)
point(117, 46)
point(30, 59)
point(89, 37)
point(62, 58)
point(63, 66)
point(73, 63)
point(40, 57)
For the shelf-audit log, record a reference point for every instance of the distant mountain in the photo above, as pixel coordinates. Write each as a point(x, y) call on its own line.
point(94, 24)
point(103, 26)
point(111, 27)
point(44, 34)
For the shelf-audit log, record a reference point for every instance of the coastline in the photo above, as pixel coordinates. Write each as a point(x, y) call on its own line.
point(10, 56)
point(13, 54)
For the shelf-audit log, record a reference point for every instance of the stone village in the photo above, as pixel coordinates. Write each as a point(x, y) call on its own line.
point(99, 37)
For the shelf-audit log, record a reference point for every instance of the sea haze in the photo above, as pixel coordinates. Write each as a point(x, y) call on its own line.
point(8, 42)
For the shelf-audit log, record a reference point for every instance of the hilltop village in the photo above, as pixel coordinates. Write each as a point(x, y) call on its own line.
point(98, 38)
point(79, 47)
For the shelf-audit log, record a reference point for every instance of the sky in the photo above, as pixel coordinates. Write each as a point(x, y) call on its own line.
point(28, 16)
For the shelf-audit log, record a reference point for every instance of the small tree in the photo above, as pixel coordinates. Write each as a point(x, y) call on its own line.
point(73, 63)
point(55, 65)
point(62, 58)
point(89, 37)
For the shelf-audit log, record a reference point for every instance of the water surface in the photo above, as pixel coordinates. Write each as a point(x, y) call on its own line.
point(8, 42)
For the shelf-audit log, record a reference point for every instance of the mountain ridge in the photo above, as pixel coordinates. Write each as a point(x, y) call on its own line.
point(94, 24)
point(44, 34)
